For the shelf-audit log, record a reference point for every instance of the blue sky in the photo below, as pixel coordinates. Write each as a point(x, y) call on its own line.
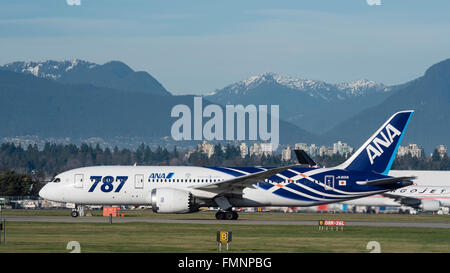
point(197, 46)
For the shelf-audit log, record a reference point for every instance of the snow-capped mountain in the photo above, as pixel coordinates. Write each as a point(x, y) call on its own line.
point(309, 104)
point(312, 88)
point(361, 87)
point(114, 74)
point(49, 69)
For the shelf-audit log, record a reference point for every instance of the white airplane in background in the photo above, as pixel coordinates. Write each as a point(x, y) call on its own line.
point(429, 193)
point(179, 189)
point(426, 199)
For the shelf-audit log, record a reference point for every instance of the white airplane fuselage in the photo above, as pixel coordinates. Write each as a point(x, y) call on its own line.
point(106, 185)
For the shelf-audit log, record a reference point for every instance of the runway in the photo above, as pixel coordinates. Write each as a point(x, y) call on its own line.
point(87, 219)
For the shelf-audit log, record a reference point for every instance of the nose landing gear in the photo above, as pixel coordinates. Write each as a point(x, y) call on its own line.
point(74, 213)
point(78, 211)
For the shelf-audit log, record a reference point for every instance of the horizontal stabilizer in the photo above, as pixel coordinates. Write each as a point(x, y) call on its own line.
point(406, 181)
point(303, 158)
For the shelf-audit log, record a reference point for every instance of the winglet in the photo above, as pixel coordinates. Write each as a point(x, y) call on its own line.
point(303, 158)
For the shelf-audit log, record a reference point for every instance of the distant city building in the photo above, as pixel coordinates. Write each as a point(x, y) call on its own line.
point(259, 149)
point(187, 155)
point(206, 148)
point(244, 149)
point(266, 149)
point(255, 150)
point(322, 150)
point(442, 150)
point(342, 148)
point(326, 151)
point(301, 146)
point(286, 153)
point(313, 150)
point(412, 149)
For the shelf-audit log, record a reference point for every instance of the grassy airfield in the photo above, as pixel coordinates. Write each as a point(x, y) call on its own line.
point(165, 238)
point(205, 215)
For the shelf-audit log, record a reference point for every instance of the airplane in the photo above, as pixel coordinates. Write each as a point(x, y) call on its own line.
point(184, 189)
point(423, 198)
point(429, 193)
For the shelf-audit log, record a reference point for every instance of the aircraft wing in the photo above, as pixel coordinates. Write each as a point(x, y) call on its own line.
point(406, 180)
point(236, 185)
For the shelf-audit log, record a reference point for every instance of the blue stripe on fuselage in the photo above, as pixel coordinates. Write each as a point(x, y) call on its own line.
point(265, 185)
point(287, 194)
point(296, 187)
point(227, 171)
point(288, 173)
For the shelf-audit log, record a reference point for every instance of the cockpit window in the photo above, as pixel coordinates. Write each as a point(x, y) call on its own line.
point(56, 180)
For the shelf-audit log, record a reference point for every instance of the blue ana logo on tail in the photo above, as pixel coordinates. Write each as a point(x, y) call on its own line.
point(378, 152)
point(373, 152)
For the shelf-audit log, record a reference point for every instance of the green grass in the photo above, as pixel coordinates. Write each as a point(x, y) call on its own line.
point(163, 238)
point(156, 237)
point(249, 216)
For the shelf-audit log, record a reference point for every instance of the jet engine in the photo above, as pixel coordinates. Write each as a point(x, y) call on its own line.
point(168, 200)
point(430, 205)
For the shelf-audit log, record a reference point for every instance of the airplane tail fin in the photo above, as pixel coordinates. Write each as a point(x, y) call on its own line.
point(378, 152)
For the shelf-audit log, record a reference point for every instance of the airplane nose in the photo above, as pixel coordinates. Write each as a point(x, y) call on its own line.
point(44, 192)
point(51, 192)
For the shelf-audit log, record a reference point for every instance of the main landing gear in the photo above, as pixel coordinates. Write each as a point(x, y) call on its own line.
point(226, 209)
point(226, 215)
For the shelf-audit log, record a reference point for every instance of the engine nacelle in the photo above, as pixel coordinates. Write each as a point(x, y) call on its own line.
point(168, 200)
point(430, 205)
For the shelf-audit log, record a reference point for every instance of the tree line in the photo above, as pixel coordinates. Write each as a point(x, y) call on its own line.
point(56, 158)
